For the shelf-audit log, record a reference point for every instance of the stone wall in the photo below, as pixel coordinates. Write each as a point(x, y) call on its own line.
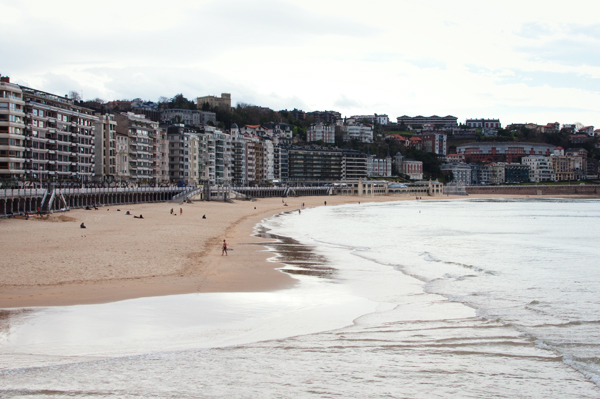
point(536, 190)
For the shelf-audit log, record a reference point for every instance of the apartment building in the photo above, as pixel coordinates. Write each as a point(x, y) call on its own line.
point(516, 173)
point(540, 168)
point(106, 147)
point(62, 133)
point(330, 117)
point(160, 159)
point(380, 119)
point(461, 173)
point(239, 153)
point(563, 168)
point(434, 142)
point(314, 164)
point(355, 165)
point(44, 137)
point(502, 152)
point(184, 154)
point(280, 164)
point(480, 174)
point(215, 157)
point(321, 132)
point(357, 131)
point(12, 133)
point(146, 152)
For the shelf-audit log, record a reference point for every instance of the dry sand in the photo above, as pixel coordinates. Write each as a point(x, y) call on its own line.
point(54, 262)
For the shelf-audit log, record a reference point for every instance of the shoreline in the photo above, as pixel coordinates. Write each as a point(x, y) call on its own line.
point(118, 257)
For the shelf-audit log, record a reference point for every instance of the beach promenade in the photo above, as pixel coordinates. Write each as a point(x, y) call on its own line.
point(54, 262)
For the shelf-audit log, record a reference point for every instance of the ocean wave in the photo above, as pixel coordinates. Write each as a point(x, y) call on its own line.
point(428, 257)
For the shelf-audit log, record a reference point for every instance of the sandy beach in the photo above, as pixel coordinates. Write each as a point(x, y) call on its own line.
point(54, 262)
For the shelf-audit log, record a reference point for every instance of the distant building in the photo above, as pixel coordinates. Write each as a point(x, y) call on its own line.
point(321, 132)
point(379, 167)
point(463, 134)
point(577, 152)
point(483, 123)
point(455, 158)
point(408, 167)
point(223, 102)
point(318, 164)
point(330, 117)
point(298, 114)
point(516, 173)
point(375, 119)
point(439, 122)
point(578, 138)
point(540, 168)
point(518, 126)
point(480, 174)
point(569, 167)
point(357, 131)
point(550, 128)
point(434, 142)
point(502, 151)
point(416, 143)
point(461, 173)
point(189, 117)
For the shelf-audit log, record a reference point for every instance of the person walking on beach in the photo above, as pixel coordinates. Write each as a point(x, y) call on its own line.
point(224, 251)
point(180, 211)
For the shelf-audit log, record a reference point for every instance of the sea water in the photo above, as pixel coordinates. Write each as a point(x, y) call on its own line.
point(414, 299)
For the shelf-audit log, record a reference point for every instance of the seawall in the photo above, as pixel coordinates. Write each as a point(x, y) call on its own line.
point(591, 190)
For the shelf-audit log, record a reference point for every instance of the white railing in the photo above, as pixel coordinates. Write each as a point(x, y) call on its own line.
point(23, 192)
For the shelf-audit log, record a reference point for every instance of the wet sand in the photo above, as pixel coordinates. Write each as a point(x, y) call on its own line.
point(53, 262)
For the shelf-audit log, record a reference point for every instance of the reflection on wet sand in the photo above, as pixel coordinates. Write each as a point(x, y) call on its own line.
point(11, 317)
point(298, 258)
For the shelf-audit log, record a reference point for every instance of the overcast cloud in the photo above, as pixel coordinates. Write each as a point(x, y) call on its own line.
point(519, 61)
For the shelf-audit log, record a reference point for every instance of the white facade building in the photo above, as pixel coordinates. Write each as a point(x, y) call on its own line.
point(358, 131)
point(375, 118)
point(184, 155)
point(215, 157)
point(540, 168)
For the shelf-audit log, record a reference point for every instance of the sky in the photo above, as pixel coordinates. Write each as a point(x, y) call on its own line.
point(519, 61)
